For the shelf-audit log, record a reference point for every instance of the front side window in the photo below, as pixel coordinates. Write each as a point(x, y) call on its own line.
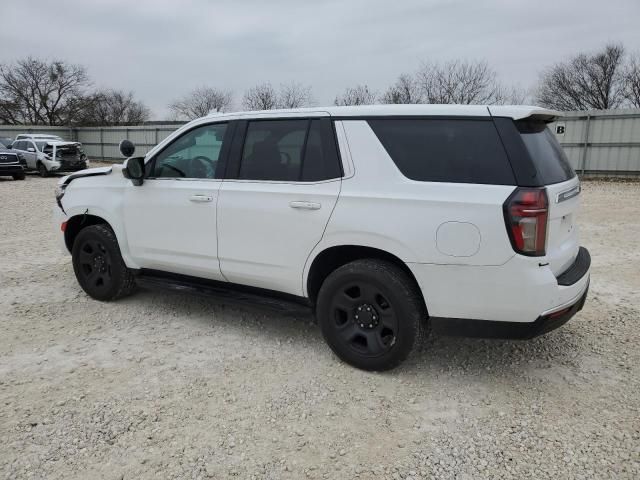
point(193, 155)
point(290, 151)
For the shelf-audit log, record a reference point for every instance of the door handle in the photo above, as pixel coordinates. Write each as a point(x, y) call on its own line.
point(305, 205)
point(201, 198)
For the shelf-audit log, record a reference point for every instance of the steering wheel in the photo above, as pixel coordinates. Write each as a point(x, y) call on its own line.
point(177, 170)
point(198, 167)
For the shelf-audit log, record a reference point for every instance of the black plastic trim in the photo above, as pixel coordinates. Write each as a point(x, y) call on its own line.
point(577, 270)
point(232, 170)
point(523, 167)
point(462, 327)
point(225, 291)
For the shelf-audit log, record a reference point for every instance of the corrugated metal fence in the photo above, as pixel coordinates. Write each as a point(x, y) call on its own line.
point(101, 143)
point(605, 142)
point(602, 142)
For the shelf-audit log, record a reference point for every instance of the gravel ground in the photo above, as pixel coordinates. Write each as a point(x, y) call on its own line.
point(161, 385)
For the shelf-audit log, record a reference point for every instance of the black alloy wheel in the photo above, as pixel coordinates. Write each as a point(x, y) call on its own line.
point(98, 264)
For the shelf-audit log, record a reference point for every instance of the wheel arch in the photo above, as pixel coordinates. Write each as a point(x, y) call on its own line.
point(76, 223)
point(334, 257)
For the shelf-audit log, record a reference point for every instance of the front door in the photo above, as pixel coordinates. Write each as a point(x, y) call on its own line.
point(273, 211)
point(170, 219)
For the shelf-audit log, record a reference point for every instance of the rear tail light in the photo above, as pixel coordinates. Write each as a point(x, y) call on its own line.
point(525, 214)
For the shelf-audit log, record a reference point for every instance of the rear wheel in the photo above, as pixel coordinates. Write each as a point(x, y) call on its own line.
point(98, 265)
point(370, 313)
point(42, 170)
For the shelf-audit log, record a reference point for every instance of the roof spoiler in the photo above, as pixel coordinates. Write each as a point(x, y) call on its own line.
point(521, 112)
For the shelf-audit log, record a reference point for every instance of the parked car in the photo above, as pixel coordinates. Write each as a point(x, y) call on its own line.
point(51, 156)
point(12, 164)
point(378, 218)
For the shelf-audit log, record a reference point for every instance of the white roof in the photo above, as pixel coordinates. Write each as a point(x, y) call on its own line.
point(512, 111)
point(59, 143)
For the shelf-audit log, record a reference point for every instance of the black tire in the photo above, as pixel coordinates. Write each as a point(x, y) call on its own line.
point(98, 265)
point(19, 176)
point(370, 313)
point(42, 170)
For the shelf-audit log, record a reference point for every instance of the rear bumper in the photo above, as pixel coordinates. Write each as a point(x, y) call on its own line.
point(508, 330)
point(523, 295)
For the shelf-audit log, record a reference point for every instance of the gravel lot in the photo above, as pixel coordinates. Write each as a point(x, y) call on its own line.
point(166, 386)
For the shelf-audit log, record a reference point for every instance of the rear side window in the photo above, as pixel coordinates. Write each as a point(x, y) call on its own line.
point(289, 150)
point(546, 153)
point(435, 150)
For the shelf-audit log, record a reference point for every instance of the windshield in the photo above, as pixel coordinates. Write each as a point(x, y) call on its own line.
point(548, 157)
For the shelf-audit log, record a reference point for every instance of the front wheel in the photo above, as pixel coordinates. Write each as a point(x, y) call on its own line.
point(370, 313)
point(42, 170)
point(98, 265)
point(19, 176)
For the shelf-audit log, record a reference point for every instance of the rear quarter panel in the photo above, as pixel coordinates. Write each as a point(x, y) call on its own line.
point(381, 208)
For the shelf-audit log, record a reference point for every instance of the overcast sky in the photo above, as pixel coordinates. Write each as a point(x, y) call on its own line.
point(161, 49)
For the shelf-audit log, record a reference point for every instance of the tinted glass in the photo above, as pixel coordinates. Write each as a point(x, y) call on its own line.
point(435, 150)
point(548, 157)
point(321, 156)
point(193, 155)
point(19, 145)
point(273, 150)
point(41, 145)
point(289, 150)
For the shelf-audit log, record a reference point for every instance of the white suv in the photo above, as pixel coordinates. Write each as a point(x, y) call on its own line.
point(379, 218)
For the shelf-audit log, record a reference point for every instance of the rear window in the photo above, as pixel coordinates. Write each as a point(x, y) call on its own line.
point(436, 150)
point(546, 153)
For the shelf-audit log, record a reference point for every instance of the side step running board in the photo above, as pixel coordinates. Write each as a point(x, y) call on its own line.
point(225, 292)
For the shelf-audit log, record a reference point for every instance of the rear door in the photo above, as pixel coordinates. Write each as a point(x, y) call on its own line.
point(563, 191)
point(283, 182)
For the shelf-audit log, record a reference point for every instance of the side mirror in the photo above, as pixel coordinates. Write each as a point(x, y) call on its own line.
point(31, 149)
point(133, 169)
point(127, 148)
point(10, 146)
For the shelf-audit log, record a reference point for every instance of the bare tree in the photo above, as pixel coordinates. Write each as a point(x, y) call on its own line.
point(37, 92)
point(289, 95)
point(260, 97)
point(586, 81)
point(511, 95)
point(200, 102)
point(111, 107)
point(632, 82)
point(405, 90)
point(459, 81)
point(358, 95)
point(294, 95)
